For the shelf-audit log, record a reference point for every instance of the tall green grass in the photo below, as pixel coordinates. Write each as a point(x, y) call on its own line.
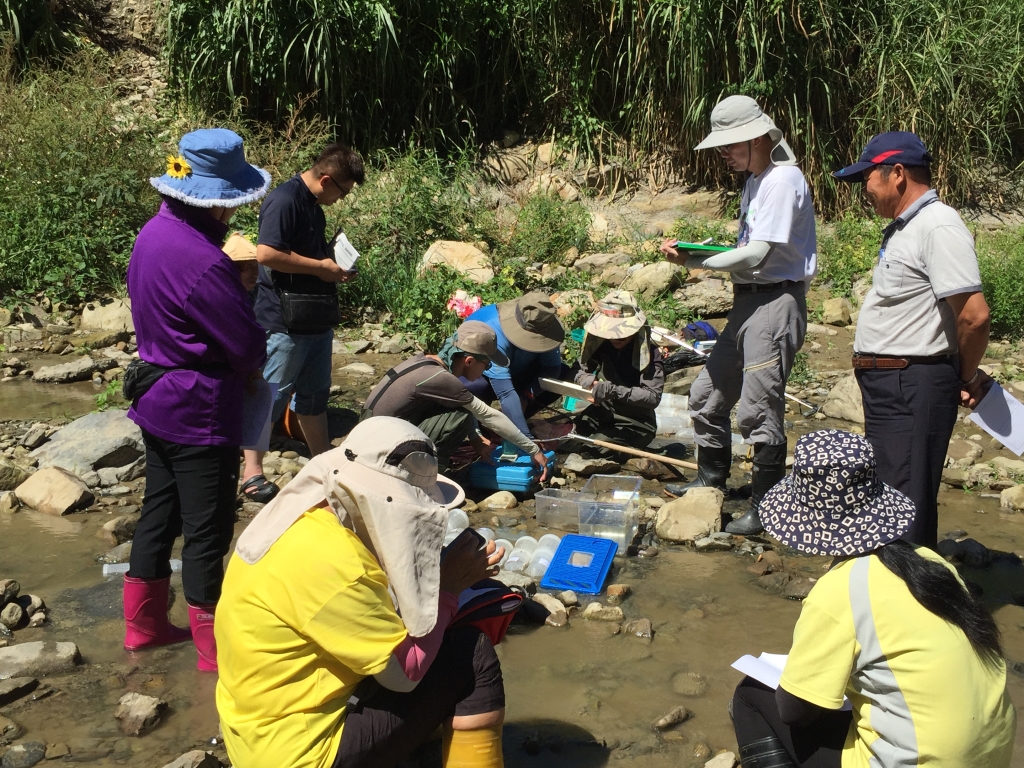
point(628, 77)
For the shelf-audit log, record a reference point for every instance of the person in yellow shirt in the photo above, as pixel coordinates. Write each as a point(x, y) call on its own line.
point(890, 628)
point(332, 630)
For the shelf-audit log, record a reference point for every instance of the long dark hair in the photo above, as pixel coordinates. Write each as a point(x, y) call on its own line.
point(935, 587)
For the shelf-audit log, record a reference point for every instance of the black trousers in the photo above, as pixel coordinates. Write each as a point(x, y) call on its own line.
point(386, 727)
point(755, 716)
point(909, 415)
point(190, 490)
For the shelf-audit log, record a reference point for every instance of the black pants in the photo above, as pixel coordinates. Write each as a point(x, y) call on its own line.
point(909, 416)
point(190, 490)
point(465, 679)
point(755, 716)
point(603, 422)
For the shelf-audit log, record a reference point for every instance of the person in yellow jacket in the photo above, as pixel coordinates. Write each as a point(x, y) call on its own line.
point(890, 628)
point(333, 634)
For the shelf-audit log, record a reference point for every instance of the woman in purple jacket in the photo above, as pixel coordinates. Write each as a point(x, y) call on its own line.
point(196, 329)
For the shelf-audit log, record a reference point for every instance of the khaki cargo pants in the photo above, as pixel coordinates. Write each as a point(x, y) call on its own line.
point(750, 365)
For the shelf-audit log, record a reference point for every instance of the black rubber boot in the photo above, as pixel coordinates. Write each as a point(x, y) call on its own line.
point(765, 753)
point(769, 466)
point(712, 470)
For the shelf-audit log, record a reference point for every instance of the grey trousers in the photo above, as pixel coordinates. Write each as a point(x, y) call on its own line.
point(750, 365)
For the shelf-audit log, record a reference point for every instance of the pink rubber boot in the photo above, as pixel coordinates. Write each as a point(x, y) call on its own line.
point(201, 619)
point(145, 615)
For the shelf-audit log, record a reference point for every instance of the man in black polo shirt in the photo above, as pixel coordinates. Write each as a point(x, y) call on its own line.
point(297, 301)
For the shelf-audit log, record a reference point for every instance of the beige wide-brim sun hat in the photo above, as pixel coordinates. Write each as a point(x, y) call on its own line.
point(239, 248)
point(531, 322)
point(736, 119)
point(617, 317)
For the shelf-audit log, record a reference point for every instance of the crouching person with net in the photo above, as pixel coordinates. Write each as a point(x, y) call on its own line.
point(320, 666)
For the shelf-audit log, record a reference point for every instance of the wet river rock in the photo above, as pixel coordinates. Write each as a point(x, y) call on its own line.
point(23, 755)
point(55, 491)
point(689, 684)
point(38, 659)
point(696, 515)
point(15, 688)
point(137, 713)
point(9, 731)
point(95, 441)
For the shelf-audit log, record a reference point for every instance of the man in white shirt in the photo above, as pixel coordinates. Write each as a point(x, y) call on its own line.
point(772, 265)
point(923, 327)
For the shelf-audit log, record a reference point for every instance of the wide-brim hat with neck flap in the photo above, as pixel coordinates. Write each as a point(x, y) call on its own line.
point(618, 316)
point(833, 502)
point(736, 119)
point(382, 484)
point(210, 171)
point(531, 322)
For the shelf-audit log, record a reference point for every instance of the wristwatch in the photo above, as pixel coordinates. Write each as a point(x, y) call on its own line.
point(974, 378)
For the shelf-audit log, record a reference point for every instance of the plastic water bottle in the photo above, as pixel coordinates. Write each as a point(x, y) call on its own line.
point(116, 569)
point(507, 546)
point(458, 521)
point(543, 555)
point(521, 554)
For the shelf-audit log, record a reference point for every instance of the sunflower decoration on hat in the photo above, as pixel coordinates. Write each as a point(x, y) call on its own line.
point(178, 167)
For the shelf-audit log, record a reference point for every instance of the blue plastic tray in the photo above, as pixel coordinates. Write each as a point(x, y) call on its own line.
point(581, 563)
point(519, 475)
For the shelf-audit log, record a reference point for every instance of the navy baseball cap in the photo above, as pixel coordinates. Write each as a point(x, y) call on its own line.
point(889, 148)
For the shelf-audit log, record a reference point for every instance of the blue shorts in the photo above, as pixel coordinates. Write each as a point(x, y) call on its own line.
point(300, 365)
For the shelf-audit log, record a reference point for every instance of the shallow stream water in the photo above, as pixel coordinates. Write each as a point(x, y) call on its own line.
point(576, 696)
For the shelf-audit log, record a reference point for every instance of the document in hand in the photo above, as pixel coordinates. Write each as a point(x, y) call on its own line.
point(1002, 416)
point(345, 254)
point(567, 388)
point(767, 669)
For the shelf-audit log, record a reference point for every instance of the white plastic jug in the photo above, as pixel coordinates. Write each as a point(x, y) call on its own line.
point(521, 554)
point(458, 521)
point(487, 533)
point(507, 546)
point(543, 555)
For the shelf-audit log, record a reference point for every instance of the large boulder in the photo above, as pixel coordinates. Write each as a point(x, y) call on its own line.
point(81, 369)
point(708, 297)
point(54, 491)
point(844, 401)
point(97, 440)
point(652, 280)
point(1012, 498)
point(836, 312)
point(465, 258)
point(38, 659)
point(696, 515)
point(114, 315)
point(597, 263)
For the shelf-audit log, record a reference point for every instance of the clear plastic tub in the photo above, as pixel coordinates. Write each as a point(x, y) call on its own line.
point(521, 554)
point(542, 555)
point(558, 508)
point(458, 521)
point(609, 508)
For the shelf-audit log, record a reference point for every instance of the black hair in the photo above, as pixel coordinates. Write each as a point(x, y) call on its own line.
point(937, 588)
point(341, 163)
point(920, 174)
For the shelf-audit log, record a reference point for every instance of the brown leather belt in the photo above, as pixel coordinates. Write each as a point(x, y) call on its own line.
point(862, 362)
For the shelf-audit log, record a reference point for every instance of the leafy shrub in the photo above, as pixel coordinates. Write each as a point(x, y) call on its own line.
point(546, 228)
point(847, 250)
point(697, 229)
point(1001, 259)
point(73, 182)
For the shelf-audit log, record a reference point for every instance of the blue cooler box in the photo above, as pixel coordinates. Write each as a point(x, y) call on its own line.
point(519, 475)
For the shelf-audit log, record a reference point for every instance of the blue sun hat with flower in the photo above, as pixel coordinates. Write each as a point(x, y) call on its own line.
point(834, 503)
point(210, 171)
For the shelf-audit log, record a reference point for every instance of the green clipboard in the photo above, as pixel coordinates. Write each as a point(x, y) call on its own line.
point(696, 249)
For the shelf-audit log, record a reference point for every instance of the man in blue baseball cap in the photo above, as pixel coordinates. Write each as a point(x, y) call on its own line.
point(923, 326)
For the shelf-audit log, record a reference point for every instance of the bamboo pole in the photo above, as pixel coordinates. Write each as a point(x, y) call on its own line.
point(633, 451)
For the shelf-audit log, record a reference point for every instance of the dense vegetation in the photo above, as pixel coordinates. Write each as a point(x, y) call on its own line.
point(630, 78)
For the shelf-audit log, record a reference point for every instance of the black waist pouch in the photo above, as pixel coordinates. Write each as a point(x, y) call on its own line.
point(139, 377)
point(309, 312)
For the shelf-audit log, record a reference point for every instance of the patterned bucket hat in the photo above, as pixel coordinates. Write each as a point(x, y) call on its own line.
point(833, 503)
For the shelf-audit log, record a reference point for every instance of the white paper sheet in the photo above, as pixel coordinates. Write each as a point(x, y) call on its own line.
point(1002, 416)
point(256, 411)
point(767, 669)
point(345, 254)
